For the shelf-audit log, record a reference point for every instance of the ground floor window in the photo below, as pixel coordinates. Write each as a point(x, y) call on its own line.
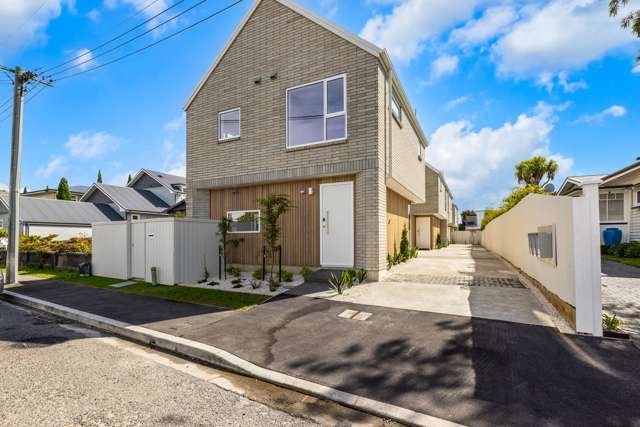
point(244, 221)
point(612, 206)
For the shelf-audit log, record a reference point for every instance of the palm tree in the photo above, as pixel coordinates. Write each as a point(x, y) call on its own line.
point(630, 20)
point(533, 171)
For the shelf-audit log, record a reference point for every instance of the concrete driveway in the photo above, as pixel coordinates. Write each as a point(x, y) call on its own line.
point(461, 280)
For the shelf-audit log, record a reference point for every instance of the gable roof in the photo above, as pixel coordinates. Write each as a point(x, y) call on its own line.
point(367, 46)
point(634, 167)
point(167, 180)
point(572, 183)
point(51, 211)
point(129, 199)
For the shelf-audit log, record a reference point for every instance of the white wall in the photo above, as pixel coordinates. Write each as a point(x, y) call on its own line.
point(63, 232)
point(110, 250)
point(177, 247)
point(577, 272)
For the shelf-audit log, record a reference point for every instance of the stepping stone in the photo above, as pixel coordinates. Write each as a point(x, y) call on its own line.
point(122, 284)
point(363, 315)
point(348, 314)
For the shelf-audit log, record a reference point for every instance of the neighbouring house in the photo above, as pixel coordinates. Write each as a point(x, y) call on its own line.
point(77, 191)
point(149, 194)
point(66, 219)
point(619, 199)
point(436, 216)
point(296, 105)
point(473, 222)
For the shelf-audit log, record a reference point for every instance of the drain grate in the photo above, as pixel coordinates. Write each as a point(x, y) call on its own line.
point(355, 315)
point(481, 281)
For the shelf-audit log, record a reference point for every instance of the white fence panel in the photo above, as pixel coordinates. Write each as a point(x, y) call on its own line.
point(196, 246)
point(110, 250)
point(466, 237)
point(571, 229)
point(159, 249)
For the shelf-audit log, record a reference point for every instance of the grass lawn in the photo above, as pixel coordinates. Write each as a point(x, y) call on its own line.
point(214, 297)
point(633, 262)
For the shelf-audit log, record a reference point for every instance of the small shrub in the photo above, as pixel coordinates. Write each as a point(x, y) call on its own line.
point(404, 243)
point(633, 250)
point(361, 276)
point(413, 252)
point(255, 284)
point(389, 261)
point(287, 276)
point(347, 277)
point(305, 271)
point(439, 243)
point(611, 323)
point(234, 271)
point(273, 285)
point(337, 283)
point(257, 274)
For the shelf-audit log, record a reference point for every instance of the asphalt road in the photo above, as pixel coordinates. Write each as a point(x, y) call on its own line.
point(54, 374)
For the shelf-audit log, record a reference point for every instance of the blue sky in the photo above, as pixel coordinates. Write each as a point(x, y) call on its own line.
point(493, 82)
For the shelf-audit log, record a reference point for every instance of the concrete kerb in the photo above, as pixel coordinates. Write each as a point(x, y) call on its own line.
point(225, 360)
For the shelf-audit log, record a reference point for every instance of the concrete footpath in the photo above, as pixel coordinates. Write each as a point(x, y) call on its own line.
point(422, 368)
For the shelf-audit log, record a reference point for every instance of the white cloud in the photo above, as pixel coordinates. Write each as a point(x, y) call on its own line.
point(87, 145)
point(175, 160)
point(82, 59)
point(613, 111)
point(174, 124)
point(444, 65)
point(636, 69)
point(493, 22)
point(479, 164)
point(23, 22)
point(56, 164)
point(560, 80)
point(147, 10)
point(456, 102)
point(94, 15)
point(560, 36)
point(411, 23)
point(120, 179)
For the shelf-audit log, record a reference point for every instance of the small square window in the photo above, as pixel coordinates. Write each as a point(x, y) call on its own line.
point(396, 109)
point(244, 221)
point(229, 124)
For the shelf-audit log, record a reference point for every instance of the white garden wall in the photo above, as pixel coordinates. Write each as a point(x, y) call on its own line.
point(179, 248)
point(466, 237)
point(574, 275)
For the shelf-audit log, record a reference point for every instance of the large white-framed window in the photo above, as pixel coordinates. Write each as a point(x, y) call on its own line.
point(317, 112)
point(636, 196)
point(229, 124)
point(612, 206)
point(244, 222)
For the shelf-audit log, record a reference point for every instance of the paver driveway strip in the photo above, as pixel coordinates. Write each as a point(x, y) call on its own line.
point(468, 370)
point(621, 294)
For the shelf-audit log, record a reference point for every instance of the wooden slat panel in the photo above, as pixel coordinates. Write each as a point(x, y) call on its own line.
point(397, 219)
point(300, 235)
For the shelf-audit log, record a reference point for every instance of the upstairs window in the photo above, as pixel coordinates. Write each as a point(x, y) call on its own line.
point(244, 221)
point(612, 206)
point(317, 112)
point(229, 124)
point(396, 109)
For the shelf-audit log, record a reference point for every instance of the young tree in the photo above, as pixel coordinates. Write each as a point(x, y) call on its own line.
point(533, 171)
point(99, 180)
point(24, 190)
point(129, 179)
point(224, 228)
point(630, 20)
point(63, 190)
point(272, 208)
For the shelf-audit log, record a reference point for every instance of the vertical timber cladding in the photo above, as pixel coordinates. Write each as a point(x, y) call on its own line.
point(397, 219)
point(300, 227)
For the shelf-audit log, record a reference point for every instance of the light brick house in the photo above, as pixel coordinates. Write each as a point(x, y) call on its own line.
point(296, 105)
point(437, 215)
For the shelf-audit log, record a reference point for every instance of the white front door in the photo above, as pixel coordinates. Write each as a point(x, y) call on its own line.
point(423, 232)
point(336, 224)
point(138, 256)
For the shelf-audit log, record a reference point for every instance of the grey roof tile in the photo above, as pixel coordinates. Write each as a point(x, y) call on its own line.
point(51, 211)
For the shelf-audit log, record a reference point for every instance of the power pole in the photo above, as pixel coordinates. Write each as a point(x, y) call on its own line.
point(21, 77)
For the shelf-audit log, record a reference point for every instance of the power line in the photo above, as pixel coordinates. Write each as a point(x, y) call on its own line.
point(206, 18)
point(92, 58)
point(114, 38)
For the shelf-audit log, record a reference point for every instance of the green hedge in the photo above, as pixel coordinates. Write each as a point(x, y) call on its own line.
point(623, 250)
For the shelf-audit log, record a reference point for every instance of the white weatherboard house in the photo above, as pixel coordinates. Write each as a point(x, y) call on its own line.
point(619, 199)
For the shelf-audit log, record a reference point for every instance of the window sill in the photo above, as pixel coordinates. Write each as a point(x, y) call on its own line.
point(222, 141)
point(318, 145)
